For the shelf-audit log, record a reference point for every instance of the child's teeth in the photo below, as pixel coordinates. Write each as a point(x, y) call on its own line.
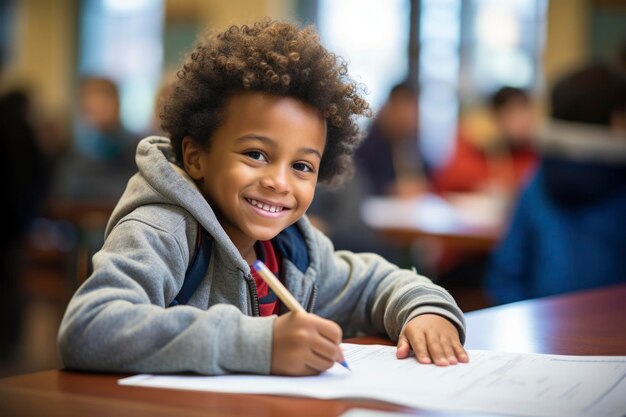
point(264, 206)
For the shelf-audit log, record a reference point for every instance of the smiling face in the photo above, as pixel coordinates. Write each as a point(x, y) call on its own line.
point(260, 168)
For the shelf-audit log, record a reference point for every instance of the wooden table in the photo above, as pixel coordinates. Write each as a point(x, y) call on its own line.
point(587, 323)
point(466, 221)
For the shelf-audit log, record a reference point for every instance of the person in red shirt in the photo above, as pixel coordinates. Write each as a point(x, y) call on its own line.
point(504, 165)
point(499, 170)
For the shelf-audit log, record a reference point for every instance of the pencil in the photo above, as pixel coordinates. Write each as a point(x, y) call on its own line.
point(281, 291)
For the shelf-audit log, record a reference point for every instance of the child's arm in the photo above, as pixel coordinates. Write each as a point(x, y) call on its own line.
point(365, 293)
point(117, 320)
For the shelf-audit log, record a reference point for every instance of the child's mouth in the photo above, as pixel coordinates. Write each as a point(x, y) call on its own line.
point(265, 207)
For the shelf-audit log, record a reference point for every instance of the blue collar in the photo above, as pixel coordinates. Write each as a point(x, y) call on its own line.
point(291, 245)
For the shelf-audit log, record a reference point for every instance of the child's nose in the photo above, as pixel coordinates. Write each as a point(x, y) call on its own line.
point(276, 179)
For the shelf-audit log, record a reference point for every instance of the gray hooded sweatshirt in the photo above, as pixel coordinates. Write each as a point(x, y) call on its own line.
point(119, 320)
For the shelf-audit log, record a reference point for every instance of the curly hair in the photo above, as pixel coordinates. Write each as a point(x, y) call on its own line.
point(274, 58)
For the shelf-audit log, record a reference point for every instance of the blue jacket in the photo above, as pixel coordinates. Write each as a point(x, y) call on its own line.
point(568, 232)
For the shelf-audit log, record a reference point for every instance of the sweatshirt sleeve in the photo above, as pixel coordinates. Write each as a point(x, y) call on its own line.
point(365, 293)
point(118, 321)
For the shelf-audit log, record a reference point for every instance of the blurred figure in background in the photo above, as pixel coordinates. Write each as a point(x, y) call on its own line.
point(569, 229)
point(496, 171)
point(387, 163)
point(93, 173)
point(503, 166)
point(102, 157)
point(336, 212)
point(512, 156)
point(389, 158)
point(25, 171)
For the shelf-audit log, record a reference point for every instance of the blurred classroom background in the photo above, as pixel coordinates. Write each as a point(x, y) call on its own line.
point(81, 80)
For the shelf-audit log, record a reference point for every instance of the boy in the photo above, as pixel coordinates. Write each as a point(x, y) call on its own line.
point(257, 116)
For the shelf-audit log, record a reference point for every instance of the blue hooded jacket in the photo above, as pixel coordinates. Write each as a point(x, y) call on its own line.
point(568, 231)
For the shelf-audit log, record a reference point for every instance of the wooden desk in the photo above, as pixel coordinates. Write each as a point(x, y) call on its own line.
point(77, 211)
point(589, 323)
point(87, 221)
point(466, 221)
point(585, 323)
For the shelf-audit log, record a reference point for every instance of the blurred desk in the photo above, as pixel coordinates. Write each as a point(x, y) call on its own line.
point(90, 213)
point(467, 221)
point(583, 323)
point(66, 235)
point(586, 323)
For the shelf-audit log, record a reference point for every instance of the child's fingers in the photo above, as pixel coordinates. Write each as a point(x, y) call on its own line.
point(461, 354)
point(330, 330)
point(449, 352)
point(328, 346)
point(434, 340)
point(436, 350)
point(421, 350)
point(403, 348)
point(341, 358)
point(326, 349)
point(318, 363)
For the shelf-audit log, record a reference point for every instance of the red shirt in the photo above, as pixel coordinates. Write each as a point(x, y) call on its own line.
point(268, 302)
point(472, 170)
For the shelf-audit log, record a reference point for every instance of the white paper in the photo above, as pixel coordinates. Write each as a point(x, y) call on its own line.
point(365, 412)
point(497, 382)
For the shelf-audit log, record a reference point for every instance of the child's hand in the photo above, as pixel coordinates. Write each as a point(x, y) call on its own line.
point(304, 344)
point(433, 339)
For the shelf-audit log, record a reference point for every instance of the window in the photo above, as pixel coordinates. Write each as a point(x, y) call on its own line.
point(502, 45)
point(373, 37)
point(440, 36)
point(122, 40)
point(468, 49)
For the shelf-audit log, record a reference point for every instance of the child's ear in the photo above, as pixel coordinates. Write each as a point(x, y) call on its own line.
point(192, 158)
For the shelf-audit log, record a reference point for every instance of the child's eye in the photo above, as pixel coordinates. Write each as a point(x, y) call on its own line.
point(304, 167)
point(257, 155)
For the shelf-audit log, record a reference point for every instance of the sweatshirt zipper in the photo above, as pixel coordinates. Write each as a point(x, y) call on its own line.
point(311, 304)
point(254, 299)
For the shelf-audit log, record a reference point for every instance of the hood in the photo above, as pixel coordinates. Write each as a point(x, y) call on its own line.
point(160, 181)
point(581, 164)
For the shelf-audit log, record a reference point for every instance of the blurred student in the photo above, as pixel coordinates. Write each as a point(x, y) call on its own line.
point(101, 159)
point(389, 158)
point(498, 171)
point(336, 212)
point(388, 164)
point(251, 134)
point(26, 173)
point(505, 164)
point(568, 230)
